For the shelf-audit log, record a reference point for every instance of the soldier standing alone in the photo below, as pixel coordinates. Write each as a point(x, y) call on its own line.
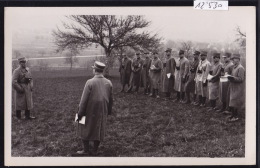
point(23, 85)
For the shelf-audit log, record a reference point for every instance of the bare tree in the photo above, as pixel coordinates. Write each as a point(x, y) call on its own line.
point(71, 57)
point(109, 31)
point(241, 37)
point(187, 47)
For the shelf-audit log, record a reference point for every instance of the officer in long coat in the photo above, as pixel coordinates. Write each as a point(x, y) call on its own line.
point(136, 67)
point(95, 104)
point(155, 75)
point(201, 79)
point(190, 84)
point(213, 83)
point(125, 71)
point(237, 87)
point(23, 85)
point(182, 70)
point(145, 72)
point(168, 74)
point(226, 69)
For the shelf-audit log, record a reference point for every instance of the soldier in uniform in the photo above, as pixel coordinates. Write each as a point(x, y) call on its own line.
point(23, 85)
point(190, 84)
point(95, 104)
point(136, 67)
point(201, 79)
point(155, 75)
point(125, 71)
point(145, 72)
point(224, 85)
point(213, 83)
point(237, 87)
point(182, 70)
point(168, 74)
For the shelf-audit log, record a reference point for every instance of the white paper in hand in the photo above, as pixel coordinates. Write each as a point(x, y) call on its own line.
point(209, 77)
point(82, 121)
point(168, 75)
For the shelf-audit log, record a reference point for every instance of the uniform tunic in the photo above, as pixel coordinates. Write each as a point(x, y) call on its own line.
point(145, 72)
point(23, 89)
point(125, 71)
point(169, 67)
point(155, 74)
point(224, 86)
point(237, 87)
point(214, 82)
point(201, 78)
point(183, 64)
point(96, 103)
point(135, 79)
point(190, 84)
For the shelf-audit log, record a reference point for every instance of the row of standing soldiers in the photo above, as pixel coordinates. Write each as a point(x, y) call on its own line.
point(188, 77)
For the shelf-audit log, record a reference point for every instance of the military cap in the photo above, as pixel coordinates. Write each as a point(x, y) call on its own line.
point(123, 54)
point(181, 52)
point(203, 53)
point(227, 54)
point(216, 55)
point(22, 59)
point(99, 65)
point(137, 53)
point(196, 53)
point(235, 56)
point(168, 50)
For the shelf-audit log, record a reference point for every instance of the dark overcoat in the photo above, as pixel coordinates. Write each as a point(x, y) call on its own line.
point(169, 68)
point(125, 71)
point(145, 72)
point(237, 87)
point(136, 66)
point(23, 88)
point(96, 103)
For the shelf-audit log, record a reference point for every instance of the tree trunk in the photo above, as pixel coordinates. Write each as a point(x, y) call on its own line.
point(108, 63)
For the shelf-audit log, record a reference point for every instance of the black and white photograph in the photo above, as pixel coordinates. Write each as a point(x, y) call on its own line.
point(130, 86)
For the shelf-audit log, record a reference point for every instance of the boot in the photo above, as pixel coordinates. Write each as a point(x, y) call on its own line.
point(152, 93)
point(27, 115)
point(178, 97)
point(210, 108)
point(199, 102)
point(123, 89)
point(157, 93)
point(129, 89)
point(18, 114)
point(187, 98)
point(95, 150)
point(203, 103)
point(194, 99)
point(85, 150)
point(223, 107)
point(182, 97)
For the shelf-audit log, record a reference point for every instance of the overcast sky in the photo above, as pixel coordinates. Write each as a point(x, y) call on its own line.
point(171, 23)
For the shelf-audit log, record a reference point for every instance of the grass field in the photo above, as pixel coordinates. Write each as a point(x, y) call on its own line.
point(139, 126)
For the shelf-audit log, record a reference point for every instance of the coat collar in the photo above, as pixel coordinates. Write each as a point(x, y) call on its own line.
point(99, 76)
